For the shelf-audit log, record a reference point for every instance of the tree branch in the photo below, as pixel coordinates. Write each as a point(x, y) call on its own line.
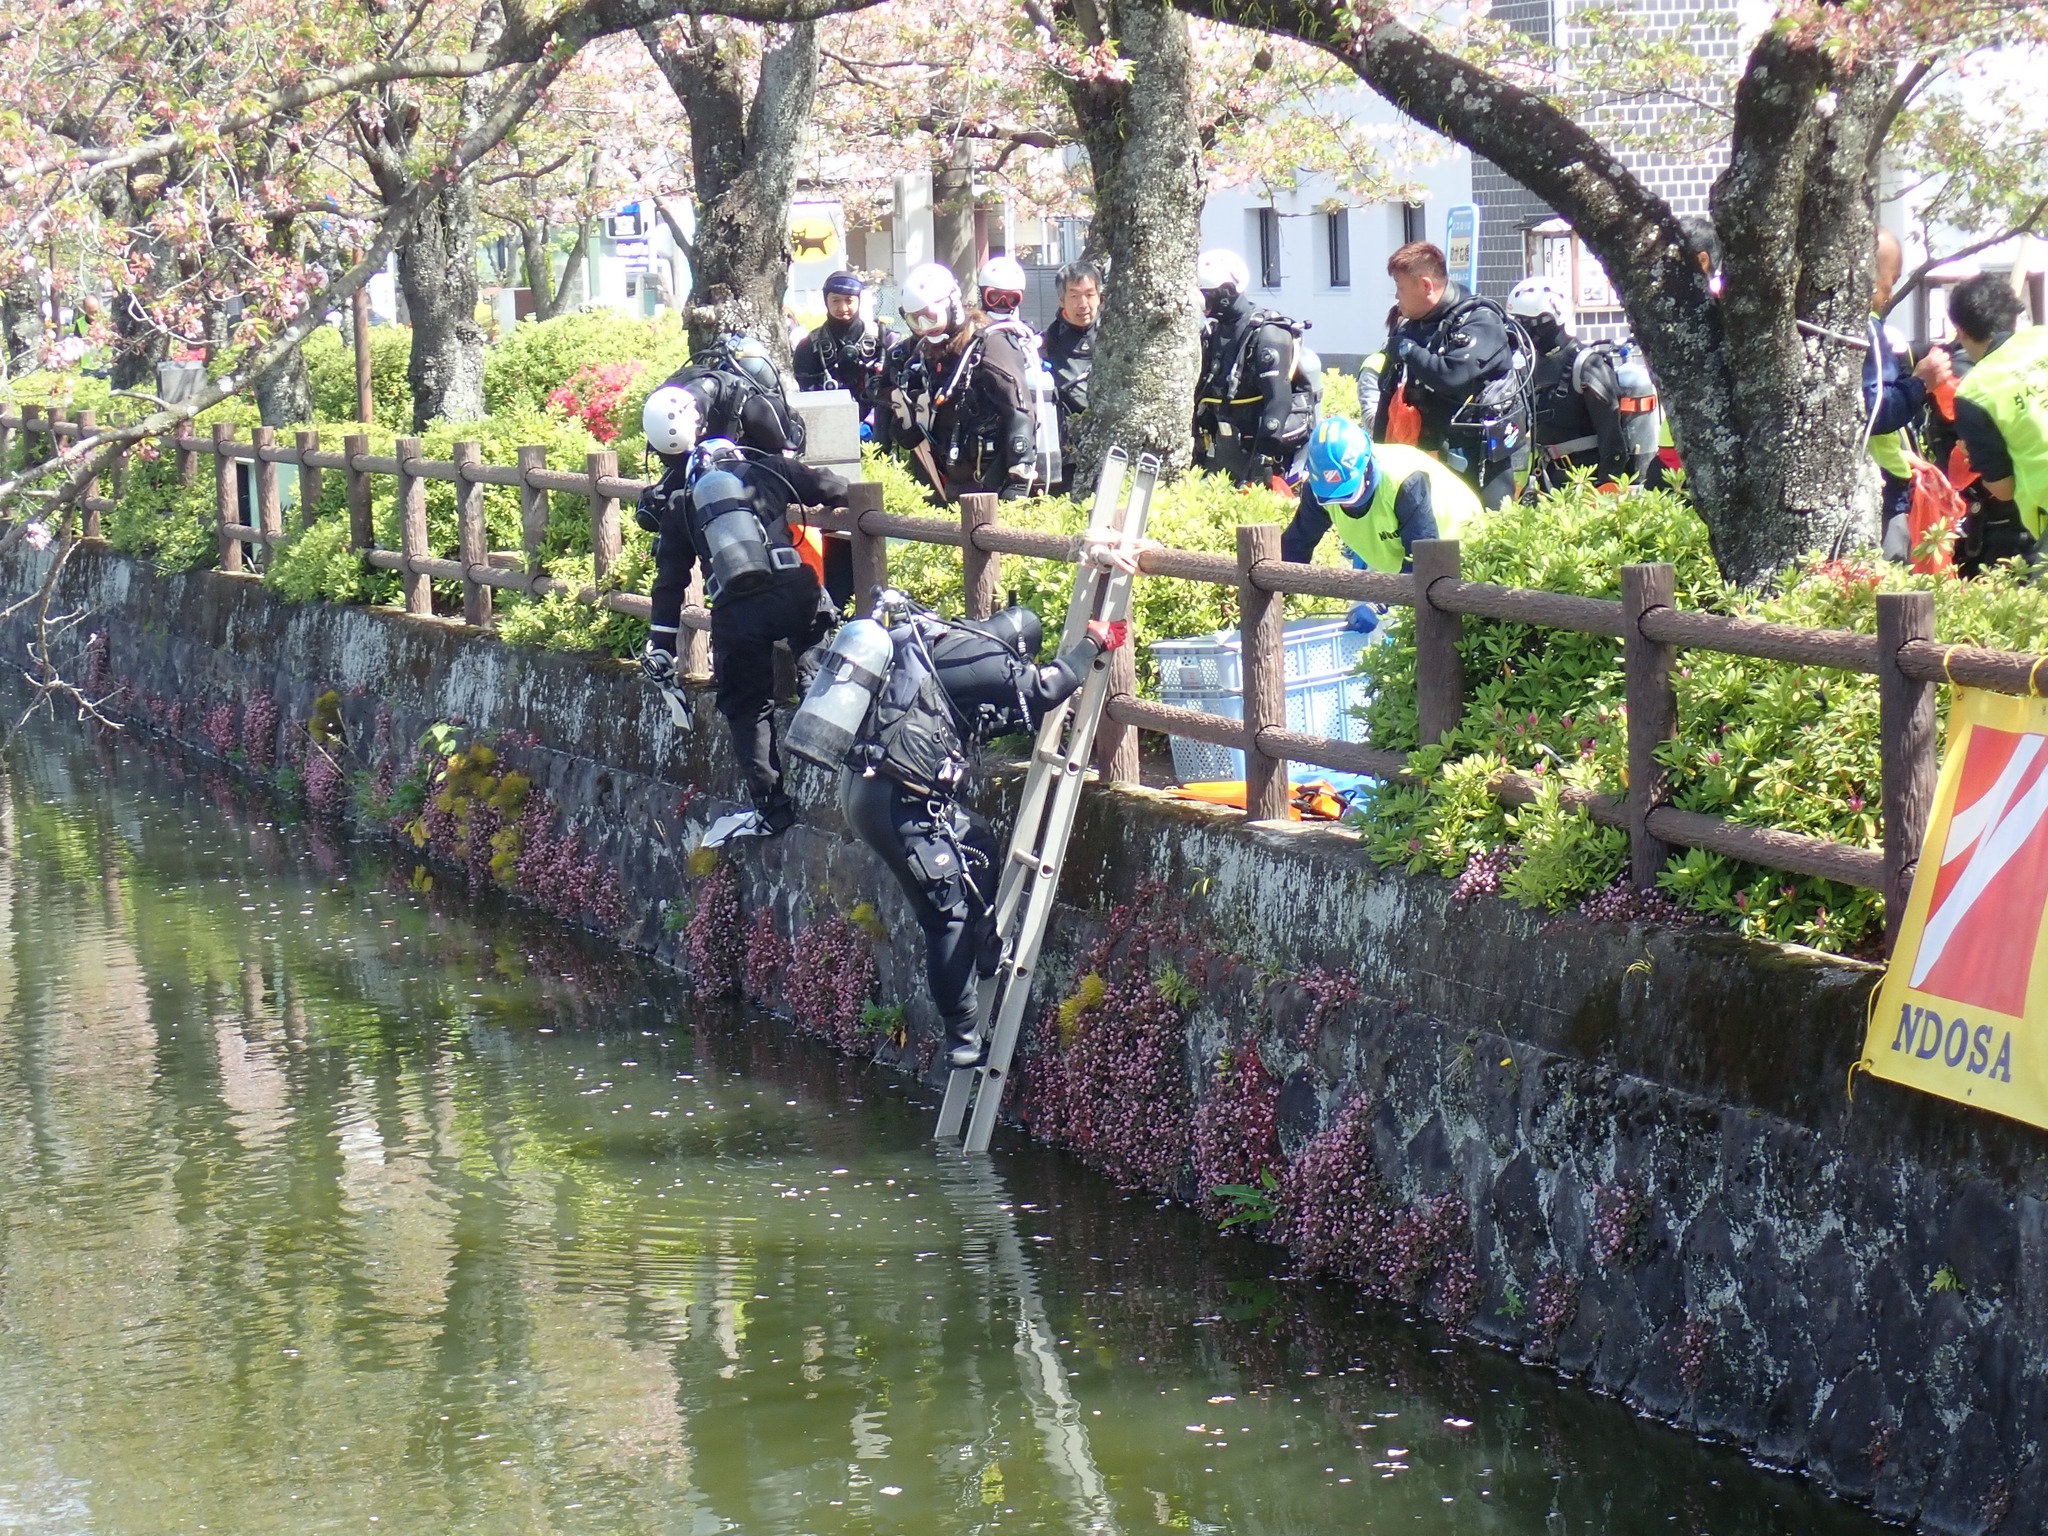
point(1920, 273)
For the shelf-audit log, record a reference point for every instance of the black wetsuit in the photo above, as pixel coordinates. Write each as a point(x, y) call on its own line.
point(734, 407)
point(1251, 413)
point(971, 405)
point(1458, 349)
point(745, 625)
point(943, 854)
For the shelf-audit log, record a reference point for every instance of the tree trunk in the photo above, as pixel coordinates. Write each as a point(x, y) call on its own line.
point(540, 266)
point(437, 258)
point(1144, 152)
point(572, 271)
point(1765, 412)
point(743, 154)
point(21, 313)
point(284, 395)
point(953, 242)
point(1796, 212)
point(437, 270)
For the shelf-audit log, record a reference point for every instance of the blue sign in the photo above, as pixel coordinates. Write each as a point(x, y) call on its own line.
point(1461, 244)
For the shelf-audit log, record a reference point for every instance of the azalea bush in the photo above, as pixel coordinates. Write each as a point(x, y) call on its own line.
point(594, 394)
point(1759, 742)
point(538, 358)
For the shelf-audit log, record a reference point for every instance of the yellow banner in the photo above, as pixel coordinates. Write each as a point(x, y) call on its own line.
point(1963, 1011)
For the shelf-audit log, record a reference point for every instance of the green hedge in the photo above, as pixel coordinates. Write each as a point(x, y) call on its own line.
point(1759, 742)
point(331, 372)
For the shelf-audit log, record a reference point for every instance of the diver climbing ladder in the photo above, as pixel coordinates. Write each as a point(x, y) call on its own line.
point(1045, 814)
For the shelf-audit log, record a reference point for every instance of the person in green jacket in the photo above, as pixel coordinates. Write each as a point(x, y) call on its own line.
point(2001, 410)
point(1379, 499)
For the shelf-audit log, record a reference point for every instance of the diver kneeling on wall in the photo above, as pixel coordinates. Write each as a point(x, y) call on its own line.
point(898, 703)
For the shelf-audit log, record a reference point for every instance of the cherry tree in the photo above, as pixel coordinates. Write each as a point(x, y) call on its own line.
point(1762, 383)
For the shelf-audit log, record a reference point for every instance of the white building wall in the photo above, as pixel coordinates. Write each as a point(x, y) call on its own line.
point(1347, 322)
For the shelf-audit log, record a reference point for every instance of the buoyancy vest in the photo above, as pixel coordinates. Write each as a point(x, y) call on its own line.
point(2011, 386)
point(1372, 531)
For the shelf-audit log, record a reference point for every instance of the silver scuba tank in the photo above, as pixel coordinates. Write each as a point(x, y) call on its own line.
point(827, 725)
point(733, 535)
point(1637, 405)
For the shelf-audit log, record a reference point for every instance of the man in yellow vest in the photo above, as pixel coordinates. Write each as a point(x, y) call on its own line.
point(2001, 410)
point(1893, 398)
point(1379, 499)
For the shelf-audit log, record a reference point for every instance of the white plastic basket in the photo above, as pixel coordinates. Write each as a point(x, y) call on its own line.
point(1323, 691)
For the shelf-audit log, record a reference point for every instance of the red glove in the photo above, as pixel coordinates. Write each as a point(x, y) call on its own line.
point(1108, 636)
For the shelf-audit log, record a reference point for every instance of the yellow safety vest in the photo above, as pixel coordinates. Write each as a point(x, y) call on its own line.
point(1373, 533)
point(2011, 385)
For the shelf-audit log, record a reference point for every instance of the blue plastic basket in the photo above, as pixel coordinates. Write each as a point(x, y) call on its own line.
point(1206, 672)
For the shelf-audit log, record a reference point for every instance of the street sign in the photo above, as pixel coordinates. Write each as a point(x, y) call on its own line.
point(1461, 244)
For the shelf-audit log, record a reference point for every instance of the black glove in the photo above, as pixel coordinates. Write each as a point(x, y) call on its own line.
point(647, 510)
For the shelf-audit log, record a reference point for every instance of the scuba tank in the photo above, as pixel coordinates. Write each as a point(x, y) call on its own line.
point(1045, 421)
point(828, 723)
point(1637, 405)
point(731, 536)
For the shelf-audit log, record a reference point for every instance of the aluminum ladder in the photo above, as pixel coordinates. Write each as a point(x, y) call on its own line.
point(1045, 814)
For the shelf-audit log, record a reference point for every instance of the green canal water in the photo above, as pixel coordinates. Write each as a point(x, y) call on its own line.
point(329, 1203)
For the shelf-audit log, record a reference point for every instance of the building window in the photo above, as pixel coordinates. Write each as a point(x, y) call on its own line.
point(1338, 224)
point(1269, 248)
point(1414, 222)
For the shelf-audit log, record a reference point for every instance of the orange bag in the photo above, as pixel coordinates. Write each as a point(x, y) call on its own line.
point(1934, 516)
point(1404, 421)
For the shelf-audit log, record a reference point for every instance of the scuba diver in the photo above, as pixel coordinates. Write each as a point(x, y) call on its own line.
point(1260, 388)
point(740, 397)
point(727, 507)
point(897, 704)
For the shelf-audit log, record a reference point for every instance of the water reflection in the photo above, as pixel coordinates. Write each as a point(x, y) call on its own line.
point(329, 1202)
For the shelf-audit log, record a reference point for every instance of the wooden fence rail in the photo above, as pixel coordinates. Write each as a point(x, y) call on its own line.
point(1903, 655)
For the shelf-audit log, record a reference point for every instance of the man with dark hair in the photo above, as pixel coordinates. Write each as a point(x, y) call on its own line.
point(848, 351)
point(1453, 359)
point(2001, 411)
point(1068, 345)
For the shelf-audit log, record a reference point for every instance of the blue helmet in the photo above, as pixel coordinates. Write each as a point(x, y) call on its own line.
point(1339, 459)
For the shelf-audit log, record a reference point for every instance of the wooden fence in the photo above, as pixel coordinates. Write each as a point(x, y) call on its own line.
point(1902, 654)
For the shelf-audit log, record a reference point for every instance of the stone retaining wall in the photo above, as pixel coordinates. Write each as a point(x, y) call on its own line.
point(1622, 1149)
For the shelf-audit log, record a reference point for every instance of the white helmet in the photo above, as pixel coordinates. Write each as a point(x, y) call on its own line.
point(1534, 297)
point(1218, 270)
point(931, 300)
point(670, 420)
point(1002, 284)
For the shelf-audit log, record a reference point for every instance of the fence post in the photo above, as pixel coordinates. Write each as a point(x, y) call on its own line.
point(870, 550)
point(412, 529)
point(187, 457)
point(269, 507)
point(1116, 744)
point(605, 538)
point(1439, 670)
point(473, 544)
point(1652, 716)
point(227, 495)
point(362, 529)
point(533, 508)
point(31, 415)
point(59, 417)
point(89, 525)
point(1262, 640)
point(1905, 711)
point(977, 510)
point(309, 477)
point(6, 443)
